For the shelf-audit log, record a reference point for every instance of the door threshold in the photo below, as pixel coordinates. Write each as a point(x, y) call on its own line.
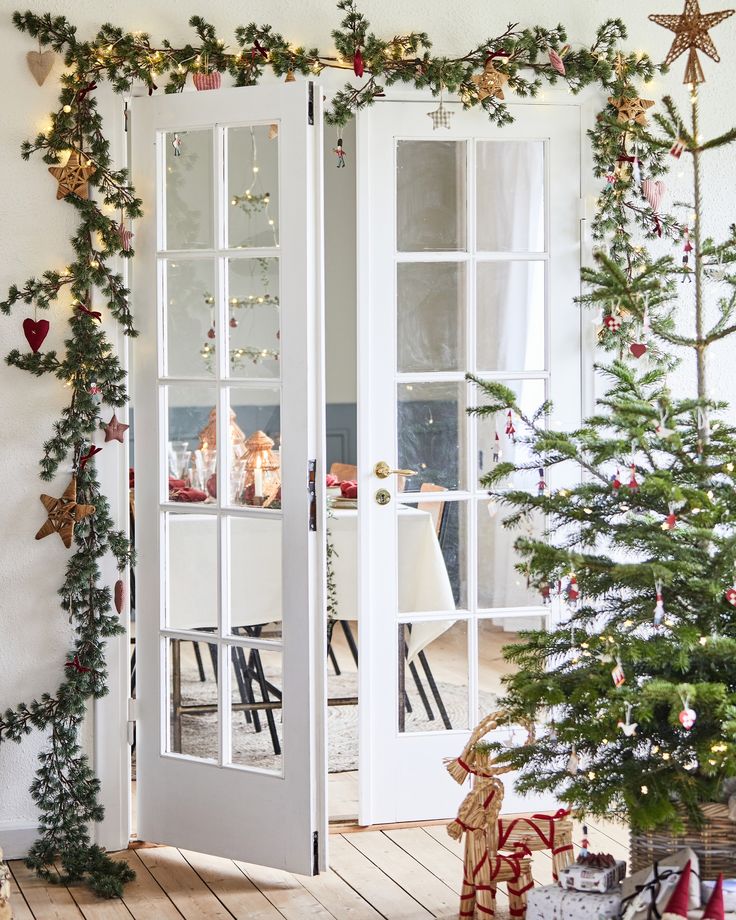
point(352, 827)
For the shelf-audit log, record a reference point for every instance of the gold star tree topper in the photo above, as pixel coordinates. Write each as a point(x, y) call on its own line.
point(491, 82)
point(73, 176)
point(691, 34)
point(63, 514)
point(631, 109)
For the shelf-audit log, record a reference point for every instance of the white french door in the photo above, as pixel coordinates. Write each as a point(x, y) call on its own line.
point(470, 260)
point(230, 610)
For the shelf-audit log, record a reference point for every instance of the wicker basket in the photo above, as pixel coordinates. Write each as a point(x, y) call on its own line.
point(714, 842)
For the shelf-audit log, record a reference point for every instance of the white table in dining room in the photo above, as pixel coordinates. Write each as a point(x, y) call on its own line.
point(424, 584)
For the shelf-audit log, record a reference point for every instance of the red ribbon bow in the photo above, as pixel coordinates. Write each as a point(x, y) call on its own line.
point(88, 456)
point(76, 665)
point(86, 89)
point(95, 314)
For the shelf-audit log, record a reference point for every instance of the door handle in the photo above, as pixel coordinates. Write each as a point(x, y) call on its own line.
point(383, 471)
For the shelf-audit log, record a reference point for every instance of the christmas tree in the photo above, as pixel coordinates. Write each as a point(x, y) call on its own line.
point(636, 678)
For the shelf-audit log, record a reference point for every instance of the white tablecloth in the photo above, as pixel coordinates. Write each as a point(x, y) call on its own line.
point(424, 585)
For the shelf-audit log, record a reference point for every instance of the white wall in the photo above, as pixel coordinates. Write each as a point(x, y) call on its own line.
point(34, 232)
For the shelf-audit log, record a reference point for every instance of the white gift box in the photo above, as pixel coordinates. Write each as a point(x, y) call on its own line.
point(550, 902)
point(580, 877)
point(729, 892)
point(656, 884)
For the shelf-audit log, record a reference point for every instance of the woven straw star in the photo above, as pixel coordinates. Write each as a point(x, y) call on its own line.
point(631, 109)
point(491, 82)
point(73, 177)
point(691, 33)
point(63, 514)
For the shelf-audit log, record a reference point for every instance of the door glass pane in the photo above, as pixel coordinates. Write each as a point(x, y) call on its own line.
point(190, 317)
point(193, 708)
point(253, 186)
point(255, 576)
point(510, 196)
point(253, 317)
point(495, 445)
point(189, 189)
point(255, 440)
point(499, 582)
point(493, 635)
point(510, 316)
point(256, 688)
point(431, 316)
point(432, 555)
point(430, 196)
point(192, 442)
point(192, 571)
point(432, 434)
point(433, 676)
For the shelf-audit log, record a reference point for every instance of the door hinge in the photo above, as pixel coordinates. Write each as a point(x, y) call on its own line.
point(315, 853)
point(310, 104)
point(132, 719)
point(125, 115)
point(312, 489)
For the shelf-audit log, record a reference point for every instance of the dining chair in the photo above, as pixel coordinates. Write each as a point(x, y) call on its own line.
point(344, 471)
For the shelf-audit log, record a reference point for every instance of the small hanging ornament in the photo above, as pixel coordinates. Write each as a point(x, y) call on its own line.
point(628, 727)
point(35, 332)
point(616, 481)
point(572, 591)
point(125, 236)
point(440, 116)
point(358, 65)
point(638, 349)
point(611, 176)
point(541, 485)
point(617, 674)
point(686, 250)
point(556, 61)
point(573, 763)
point(636, 166)
point(40, 64)
point(678, 148)
point(497, 451)
point(207, 81)
point(584, 843)
point(687, 715)
point(289, 78)
point(654, 191)
point(631, 110)
point(659, 606)
point(119, 596)
point(730, 596)
point(670, 522)
point(73, 177)
point(211, 331)
point(612, 322)
point(510, 430)
point(339, 152)
point(63, 513)
point(115, 430)
point(546, 591)
point(233, 323)
point(95, 391)
point(633, 483)
point(492, 508)
point(176, 144)
point(491, 82)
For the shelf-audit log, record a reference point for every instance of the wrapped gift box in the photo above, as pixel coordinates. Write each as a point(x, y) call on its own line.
point(550, 902)
point(654, 886)
point(729, 892)
point(581, 877)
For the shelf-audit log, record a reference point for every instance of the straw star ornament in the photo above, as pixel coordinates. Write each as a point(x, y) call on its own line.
point(491, 82)
point(73, 176)
point(691, 35)
point(63, 514)
point(631, 109)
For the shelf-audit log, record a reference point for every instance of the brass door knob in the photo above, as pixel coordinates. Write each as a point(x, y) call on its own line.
point(383, 471)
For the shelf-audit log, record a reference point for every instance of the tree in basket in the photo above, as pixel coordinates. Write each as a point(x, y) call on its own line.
point(637, 678)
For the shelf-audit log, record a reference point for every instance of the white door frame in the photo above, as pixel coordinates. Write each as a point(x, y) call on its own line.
point(111, 750)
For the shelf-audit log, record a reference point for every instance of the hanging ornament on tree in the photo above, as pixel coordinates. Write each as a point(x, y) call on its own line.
point(654, 191)
point(628, 727)
point(115, 430)
point(631, 110)
point(125, 236)
point(612, 322)
point(638, 349)
point(617, 674)
point(572, 592)
point(678, 148)
point(339, 152)
point(691, 34)
point(616, 481)
point(686, 250)
point(584, 843)
point(40, 64)
point(546, 591)
point(491, 82)
point(687, 715)
point(63, 514)
point(573, 763)
point(207, 81)
point(633, 483)
point(659, 606)
point(730, 596)
point(73, 177)
point(119, 596)
point(541, 485)
point(35, 332)
point(510, 430)
point(556, 59)
point(95, 391)
point(670, 522)
point(176, 144)
point(358, 65)
point(497, 451)
point(440, 116)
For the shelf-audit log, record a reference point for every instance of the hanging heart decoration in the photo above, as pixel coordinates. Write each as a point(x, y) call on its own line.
point(612, 321)
point(731, 596)
point(40, 64)
point(687, 718)
point(637, 349)
point(35, 332)
point(654, 191)
point(204, 81)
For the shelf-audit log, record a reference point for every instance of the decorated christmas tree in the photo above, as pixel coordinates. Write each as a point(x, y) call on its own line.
point(636, 677)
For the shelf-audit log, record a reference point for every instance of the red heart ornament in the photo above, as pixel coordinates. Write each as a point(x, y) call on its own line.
point(637, 349)
point(35, 332)
point(731, 596)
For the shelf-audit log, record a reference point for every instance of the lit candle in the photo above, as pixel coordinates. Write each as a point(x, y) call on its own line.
point(258, 479)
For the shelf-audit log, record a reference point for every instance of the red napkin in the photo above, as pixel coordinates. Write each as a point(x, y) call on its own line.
point(178, 492)
point(349, 488)
point(332, 481)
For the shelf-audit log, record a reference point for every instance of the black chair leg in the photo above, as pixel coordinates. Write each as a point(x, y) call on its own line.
point(435, 690)
point(264, 685)
point(350, 639)
point(245, 697)
point(200, 663)
point(247, 692)
point(422, 692)
point(333, 660)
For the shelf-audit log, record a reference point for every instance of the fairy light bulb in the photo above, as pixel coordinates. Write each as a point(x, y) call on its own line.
point(644, 790)
point(67, 109)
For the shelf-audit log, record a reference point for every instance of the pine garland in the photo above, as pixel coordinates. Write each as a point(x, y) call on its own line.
point(655, 514)
point(65, 789)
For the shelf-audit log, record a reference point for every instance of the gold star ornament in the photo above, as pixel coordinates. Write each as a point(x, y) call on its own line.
point(691, 34)
point(491, 82)
point(73, 176)
point(63, 514)
point(631, 109)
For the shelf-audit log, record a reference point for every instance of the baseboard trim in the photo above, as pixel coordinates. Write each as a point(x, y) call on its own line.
point(16, 838)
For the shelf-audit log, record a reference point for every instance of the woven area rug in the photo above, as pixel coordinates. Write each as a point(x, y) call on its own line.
point(255, 748)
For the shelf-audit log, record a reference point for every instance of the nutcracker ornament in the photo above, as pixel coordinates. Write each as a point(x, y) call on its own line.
point(339, 152)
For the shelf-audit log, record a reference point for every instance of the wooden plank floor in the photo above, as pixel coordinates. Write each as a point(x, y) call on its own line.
point(396, 873)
